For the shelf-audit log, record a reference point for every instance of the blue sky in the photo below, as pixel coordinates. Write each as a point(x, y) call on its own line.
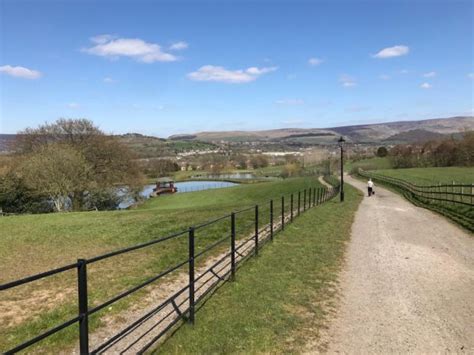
point(161, 68)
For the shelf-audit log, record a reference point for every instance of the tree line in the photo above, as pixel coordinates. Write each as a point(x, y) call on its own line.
point(67, 165)
point(435, 153)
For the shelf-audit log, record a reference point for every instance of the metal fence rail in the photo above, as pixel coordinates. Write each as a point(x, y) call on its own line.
point(456, 201)
point(277, 212)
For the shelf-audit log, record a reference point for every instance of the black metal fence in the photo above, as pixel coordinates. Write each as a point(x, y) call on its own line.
point(453, 200)
point(245, 233)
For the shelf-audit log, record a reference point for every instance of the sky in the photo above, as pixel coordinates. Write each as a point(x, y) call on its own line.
point(168, 67)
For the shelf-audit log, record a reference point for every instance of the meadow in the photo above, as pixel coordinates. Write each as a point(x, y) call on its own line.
point(281, 299)
point(34, 243)
point(430, 176)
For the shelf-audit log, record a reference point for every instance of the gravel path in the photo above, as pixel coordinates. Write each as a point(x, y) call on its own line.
point(408, 282)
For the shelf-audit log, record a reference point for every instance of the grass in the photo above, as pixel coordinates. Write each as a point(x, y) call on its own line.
point(461, 214)
point(374, 163)
point(281, 299)
point(35, 243)
point(429, 176)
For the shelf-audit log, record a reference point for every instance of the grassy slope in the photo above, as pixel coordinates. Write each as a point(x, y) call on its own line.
point(427, 176)
point(369, 164)
point(35, 243)
point(280, 299)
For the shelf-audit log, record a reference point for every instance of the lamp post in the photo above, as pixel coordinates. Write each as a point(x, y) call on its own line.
point(341, 142)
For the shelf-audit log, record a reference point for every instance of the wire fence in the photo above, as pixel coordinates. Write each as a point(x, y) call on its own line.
point(242, 234)
point(453, 200)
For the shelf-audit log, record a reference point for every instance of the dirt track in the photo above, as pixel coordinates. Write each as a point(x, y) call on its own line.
point(408, 282)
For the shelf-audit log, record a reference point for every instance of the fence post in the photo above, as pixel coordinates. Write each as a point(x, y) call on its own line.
point(309, 198)
point(472, 187)
point(314, 196)
point(304, 200)
point(318, 193)
point(271, 219)
point(299, 202)
point(282, 212)
point(83, 307)
point(291, 207)
point(191, 274)
point(256, 230)
point(232, 246)
point(452, 193)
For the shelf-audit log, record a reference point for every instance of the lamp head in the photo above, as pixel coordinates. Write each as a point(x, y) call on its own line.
point(341, 141)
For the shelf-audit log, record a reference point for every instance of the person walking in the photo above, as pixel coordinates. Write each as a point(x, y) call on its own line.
point(370, 187)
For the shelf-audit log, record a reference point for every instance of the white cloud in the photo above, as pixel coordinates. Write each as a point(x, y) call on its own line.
point(431, 74)
point(347, 81)
point(315, 61)
point(290, 102)
point(178, 46)
point(138, 49)
point(109, 80)
point(385, 77)
point(426, 86)
point(20, 72)
point(221, 74)
point(101, 39)
point(470, 75)
point(73, 105)
point(395, 51)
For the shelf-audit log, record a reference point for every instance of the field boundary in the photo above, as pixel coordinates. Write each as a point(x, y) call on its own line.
point(181, 303)
point(449, 200)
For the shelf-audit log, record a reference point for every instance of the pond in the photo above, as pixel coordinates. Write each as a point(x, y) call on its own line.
point(185, 186)
point(236, 176)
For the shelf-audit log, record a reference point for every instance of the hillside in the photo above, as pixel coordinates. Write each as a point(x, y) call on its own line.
point(415, 135)
point(369, 133)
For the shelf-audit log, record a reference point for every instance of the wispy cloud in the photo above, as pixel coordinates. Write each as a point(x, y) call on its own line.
point(390, 52)
point(20, 72)
point(221, 74)
point(426, 86)
point(178, 46)
point(347, 81)
point(138, 49)
point(384, 77)
point(73, 105)
point(315, 61)
point(109, 80)
point(430, 74)
point(290, 102)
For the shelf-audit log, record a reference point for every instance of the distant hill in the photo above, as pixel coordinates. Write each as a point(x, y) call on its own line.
point(368, 133)
point(415, 135)
point(5, 141)
point(390, 132)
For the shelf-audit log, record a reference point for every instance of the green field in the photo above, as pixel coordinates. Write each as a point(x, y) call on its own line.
point(430, 176)
point(33, 243)
point(461, 213)
point(375, 163)
point(281, 299)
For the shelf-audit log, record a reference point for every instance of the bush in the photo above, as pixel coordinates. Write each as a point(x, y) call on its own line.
point(382, 152)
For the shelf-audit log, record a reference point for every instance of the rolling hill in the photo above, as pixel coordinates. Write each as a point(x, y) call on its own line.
point(368, 133)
